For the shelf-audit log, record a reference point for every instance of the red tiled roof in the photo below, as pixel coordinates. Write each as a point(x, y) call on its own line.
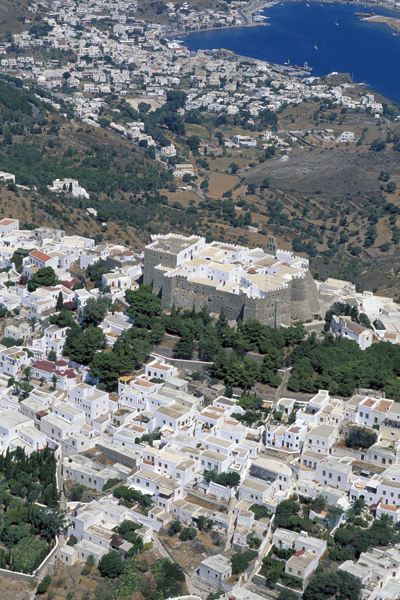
point(7, 221)
point(40, 255)
point(61, 363)
point(70, 284)
point(299, 553)
point(44, 365)
point(41, 413)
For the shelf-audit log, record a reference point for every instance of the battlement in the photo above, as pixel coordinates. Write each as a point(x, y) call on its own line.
point(187, 272)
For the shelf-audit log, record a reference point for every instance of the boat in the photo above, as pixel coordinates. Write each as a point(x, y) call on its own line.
point(336, 22)
point(315, 45)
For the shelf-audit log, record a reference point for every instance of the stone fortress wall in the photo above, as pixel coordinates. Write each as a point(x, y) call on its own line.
point(295, 299)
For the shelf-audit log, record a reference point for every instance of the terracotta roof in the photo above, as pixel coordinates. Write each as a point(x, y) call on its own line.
point(70, 284)
point(61, 363)
point(143, 383)
point(7, 221)
point(384, 405)
point(368, 403)
point(40, 255)
point(69, 373)
point(299, 553)
point(44, 365)
point(389, 507)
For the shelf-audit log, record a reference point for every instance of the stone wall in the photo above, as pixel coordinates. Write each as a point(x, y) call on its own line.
point(279, 454)
point(273, 310)
point(116, 455)
point(152, 258)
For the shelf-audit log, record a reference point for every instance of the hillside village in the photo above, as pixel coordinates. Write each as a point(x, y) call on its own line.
point(168, 447)
point(145, 59)
point(174, 457)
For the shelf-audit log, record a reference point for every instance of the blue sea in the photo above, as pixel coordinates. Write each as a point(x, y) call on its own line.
point(368, 51)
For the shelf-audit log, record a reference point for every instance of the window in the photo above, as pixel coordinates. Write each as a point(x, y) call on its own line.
point(323, 473)
point(339, 478)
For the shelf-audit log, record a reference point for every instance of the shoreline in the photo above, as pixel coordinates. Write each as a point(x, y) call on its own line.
point(256, 5)
point(359, 6)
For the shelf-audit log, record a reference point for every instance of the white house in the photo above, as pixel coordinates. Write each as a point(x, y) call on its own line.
point(345, 327)
point(159, 369)
point(215, 570)
point(168, 151)
point(320, 439)
point(68, 185)
point(244, 140)
point(8, 226)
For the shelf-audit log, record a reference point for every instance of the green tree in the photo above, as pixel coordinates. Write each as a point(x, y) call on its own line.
point(241, 560)
point(96, 272)
point(169, 577)
point(27, 554)
point(96, 309)
point(204, 524)
point(129, 581)
point(54, 380)
point(52, 356)
point(338, 585)
point(378, 145)
point(187, 534)
point(60, 302)
point(43, 277)
point(81, 346)
point(185, 346)
point(360, 437)
point(44, 585)
point(175, 526)
point(143, 305)
point(27, 372)
point(193, 142)
point(65, 318)
point(358, 506)
point(111, 565)
point(127, 354)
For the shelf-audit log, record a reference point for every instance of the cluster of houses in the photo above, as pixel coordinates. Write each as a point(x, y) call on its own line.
point(382, 312)
point(299, 449)
point(147, 61)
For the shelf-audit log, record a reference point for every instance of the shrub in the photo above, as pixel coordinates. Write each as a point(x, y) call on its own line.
point(175, 526)
point(110, 483)
point(241, 560)
point(359, 437)
point(44, 585)
point(111, 565)
point(187, 534)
